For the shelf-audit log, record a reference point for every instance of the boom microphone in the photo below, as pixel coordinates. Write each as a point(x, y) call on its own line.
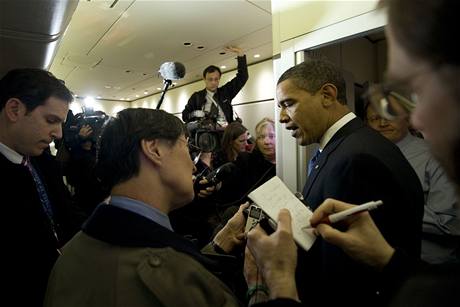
point(172, 70)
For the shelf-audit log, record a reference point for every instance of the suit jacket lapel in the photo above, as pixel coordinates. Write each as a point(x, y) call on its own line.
point(331, 146)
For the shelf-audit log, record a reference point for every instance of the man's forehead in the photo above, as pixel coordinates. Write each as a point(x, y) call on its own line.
point(214, 74)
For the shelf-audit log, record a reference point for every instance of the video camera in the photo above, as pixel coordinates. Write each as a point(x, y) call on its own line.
point(94, 119)
point(204, 132)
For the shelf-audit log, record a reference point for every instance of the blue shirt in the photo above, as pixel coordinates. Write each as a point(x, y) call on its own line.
point(141, 208)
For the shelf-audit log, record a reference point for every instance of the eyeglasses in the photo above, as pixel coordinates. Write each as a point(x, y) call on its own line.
point(394, 99)
point(388, 100)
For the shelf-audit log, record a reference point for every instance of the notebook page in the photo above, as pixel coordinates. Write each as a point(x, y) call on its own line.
point(275, 195)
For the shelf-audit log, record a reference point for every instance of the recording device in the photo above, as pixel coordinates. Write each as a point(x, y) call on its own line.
point(94, 119)
point(221, 173)
point(218, 175)
point(204, 135)
point(255, 215)
point(170, 71)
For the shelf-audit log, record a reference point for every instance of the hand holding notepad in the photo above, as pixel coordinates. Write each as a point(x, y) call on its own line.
point(273, 196)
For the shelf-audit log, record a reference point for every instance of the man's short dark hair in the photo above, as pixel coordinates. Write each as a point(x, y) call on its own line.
point(312, 74)
point(33, 87)
point(119, 144)
point(211, 69)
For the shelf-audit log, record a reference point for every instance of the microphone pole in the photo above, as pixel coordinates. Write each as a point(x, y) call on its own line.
point(167, 84)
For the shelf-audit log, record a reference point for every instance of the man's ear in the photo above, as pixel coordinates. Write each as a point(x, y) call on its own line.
point(14, 109)
point(153, 151)
point(329, 92)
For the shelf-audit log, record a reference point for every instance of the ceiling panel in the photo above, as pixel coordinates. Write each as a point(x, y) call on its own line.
point(124, 47)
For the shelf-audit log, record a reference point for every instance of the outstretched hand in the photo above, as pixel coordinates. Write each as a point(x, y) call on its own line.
point(236, 50)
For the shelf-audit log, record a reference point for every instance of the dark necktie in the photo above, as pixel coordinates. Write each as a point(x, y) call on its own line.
point(312, 162)
point(44, 199)
point(214, 112)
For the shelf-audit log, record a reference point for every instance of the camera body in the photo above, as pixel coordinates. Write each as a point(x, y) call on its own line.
point(95, 119)
point(204, 132)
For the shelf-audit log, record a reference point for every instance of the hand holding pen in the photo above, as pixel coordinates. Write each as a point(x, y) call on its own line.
point(342, 215)
point(361, 240)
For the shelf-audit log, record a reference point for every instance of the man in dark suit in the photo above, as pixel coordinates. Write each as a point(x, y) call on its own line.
point(354, 164)
point(216, 102)
point(35, 203)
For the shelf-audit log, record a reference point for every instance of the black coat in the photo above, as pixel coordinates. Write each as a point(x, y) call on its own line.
point(252, 170)
point(223, 95)
point(28, 242)
point(356, 166)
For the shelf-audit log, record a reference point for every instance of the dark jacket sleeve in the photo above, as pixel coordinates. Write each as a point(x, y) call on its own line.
point(191, 106)
point(226, 93)
point(232, 87)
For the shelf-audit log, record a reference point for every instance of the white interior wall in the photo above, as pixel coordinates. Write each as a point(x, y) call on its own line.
point(255, 100)
point(110, 107)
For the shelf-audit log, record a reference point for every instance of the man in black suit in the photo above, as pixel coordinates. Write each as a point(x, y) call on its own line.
point(356, 165)
point(35, 203)
point(216, 102)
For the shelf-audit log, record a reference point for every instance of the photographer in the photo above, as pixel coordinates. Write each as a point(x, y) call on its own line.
point(81, 140)
point(215, 101)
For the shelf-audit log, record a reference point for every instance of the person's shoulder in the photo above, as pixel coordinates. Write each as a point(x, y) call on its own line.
point(198, 93)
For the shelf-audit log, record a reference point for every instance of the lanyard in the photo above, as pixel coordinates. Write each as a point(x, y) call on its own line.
point(46, 204)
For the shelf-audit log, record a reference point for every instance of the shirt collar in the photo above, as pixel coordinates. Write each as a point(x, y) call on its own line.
point(10, 154)
point(141, 208)
point(327, 136)
point(405, 140)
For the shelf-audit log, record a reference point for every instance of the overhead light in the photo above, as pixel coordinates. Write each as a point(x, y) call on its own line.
point(108, 86)
point(89, 102)
point(223, 67)
point(146, 92)
point(137, 95)
point(257, 55)
point(117, 87)
point(174, 83)
point(98, 97)
point(123, 98)
point(159, 88)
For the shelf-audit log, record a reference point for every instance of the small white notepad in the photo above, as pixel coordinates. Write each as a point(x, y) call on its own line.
point(273, 196)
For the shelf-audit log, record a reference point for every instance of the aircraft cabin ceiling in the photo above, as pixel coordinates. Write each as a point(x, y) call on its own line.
point(114, 49)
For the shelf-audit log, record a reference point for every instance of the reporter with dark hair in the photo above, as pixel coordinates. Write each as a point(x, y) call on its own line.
point(234, 141)
point(127, 252)
point(215, 101)
point(37, 214)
